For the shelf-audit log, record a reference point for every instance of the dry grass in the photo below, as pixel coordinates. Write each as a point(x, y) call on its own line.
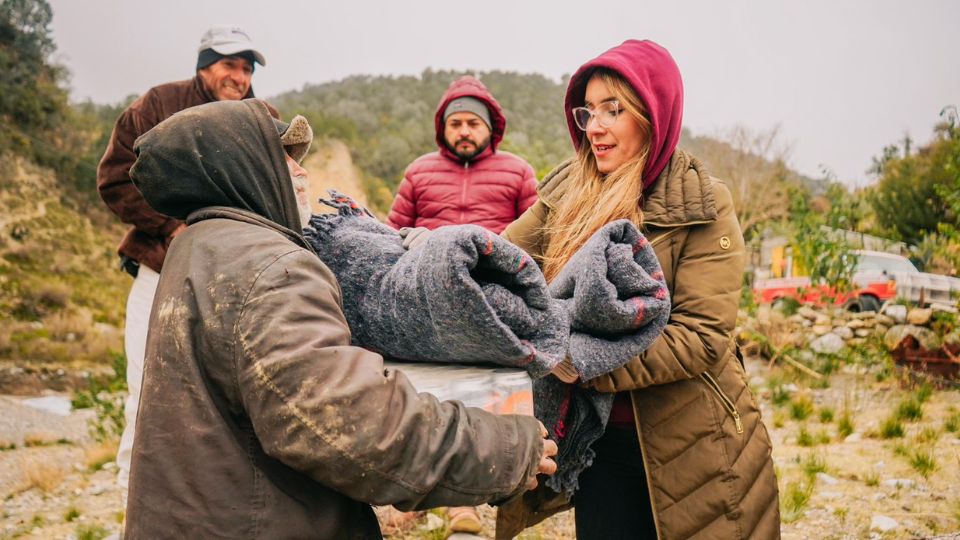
point(43, 475)
point(40, 438)
point(98, 455)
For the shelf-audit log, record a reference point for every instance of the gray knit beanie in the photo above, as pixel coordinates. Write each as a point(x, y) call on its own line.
point(468, 104)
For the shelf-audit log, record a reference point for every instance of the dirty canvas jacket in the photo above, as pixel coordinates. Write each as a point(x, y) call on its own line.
point(257, 417)
point(705, 450)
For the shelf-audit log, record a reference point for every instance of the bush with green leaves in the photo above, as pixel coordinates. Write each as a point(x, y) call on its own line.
point(107, 400)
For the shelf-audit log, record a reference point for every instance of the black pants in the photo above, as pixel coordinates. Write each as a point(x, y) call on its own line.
point(613, 500)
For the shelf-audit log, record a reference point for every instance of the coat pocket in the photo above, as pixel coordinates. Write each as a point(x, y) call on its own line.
point(725, 401)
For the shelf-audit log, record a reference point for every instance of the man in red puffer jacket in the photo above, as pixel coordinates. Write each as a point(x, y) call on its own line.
point(467, 180)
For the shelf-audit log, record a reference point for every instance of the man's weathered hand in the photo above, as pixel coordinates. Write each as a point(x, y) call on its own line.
point(413, 236)
point(547, 465)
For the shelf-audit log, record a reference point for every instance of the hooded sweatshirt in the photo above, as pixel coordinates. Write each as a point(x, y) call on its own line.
point(655, 77)
point(491, 190)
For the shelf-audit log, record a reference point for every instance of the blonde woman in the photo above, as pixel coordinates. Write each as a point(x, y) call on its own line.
point(685, 453)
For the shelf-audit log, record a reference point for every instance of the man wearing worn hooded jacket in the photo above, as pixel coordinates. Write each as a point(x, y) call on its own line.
point(468, 180)
point(258, 419)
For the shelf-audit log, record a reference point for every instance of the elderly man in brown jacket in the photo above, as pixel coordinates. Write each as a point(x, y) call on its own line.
point(258, 419)
point(225, 64)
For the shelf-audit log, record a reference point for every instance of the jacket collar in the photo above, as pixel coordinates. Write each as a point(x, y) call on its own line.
point(682, 194)
point(236, 214)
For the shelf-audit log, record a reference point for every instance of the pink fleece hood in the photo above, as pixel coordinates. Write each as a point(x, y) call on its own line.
point(655, 77)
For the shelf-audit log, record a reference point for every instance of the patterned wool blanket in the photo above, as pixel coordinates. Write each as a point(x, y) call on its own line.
point(467, 296)
point(618, 303)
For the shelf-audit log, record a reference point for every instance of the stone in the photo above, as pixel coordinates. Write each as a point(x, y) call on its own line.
point(853, 438)
point(796, 318)
point(883, 523)
point(927, 338)
point(896, 312)
point(807, 313)
point(822, 320)
point(919, 316)
point(863, 332)
point(843, 332)
point(821, 329)
point(884, 320)
point(827, 479)
point(827, 344)
point(863, 315)
point(855, 323)
point(856, 342)
point(433, 523)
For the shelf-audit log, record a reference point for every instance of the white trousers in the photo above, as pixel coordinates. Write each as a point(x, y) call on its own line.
point(139, 304)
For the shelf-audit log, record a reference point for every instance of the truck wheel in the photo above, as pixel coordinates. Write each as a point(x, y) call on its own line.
point(869, 303)
point(862, 303)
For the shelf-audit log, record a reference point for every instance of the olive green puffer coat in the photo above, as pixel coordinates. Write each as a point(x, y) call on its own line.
point(705, 450)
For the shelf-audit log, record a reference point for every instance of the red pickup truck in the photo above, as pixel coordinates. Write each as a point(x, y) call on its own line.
point(876, 280)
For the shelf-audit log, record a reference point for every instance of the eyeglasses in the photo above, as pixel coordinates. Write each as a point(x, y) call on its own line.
point(606, 114)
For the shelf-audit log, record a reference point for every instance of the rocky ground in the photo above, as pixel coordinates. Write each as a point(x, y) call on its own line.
point(845, 468)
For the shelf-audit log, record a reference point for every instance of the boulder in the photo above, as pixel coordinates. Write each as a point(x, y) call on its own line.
point(919, 316)
point(821, 329)
point(822, 320)
point(883, 523)
point(896, 312)
point(843, 332)
point(884, 320)
point(828, 343)
point(807, 313)
point(863, 332)
point(927, 338)
point(855, 323)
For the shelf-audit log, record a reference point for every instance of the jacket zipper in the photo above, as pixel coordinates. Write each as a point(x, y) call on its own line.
point(463, 190)
point(646, 467)
point(727, 402)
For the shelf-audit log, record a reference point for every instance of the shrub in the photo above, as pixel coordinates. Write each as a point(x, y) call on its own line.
point(91, 531)
point(845, 425)
point(952, 423)
point(43, 475)
point(891, 428)
point(801, 407)
point(813, 464)
point(910, 409)
point(71, 514)
point(794, 500)
point(923, 462)
point(826, 415)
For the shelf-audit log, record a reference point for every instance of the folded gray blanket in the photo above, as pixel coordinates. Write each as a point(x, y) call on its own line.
point(614, 291)
point(467, 296)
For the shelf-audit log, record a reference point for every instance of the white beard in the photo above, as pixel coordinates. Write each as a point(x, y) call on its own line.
point(301, 185)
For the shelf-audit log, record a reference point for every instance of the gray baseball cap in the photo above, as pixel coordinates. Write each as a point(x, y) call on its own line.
point(228, 41)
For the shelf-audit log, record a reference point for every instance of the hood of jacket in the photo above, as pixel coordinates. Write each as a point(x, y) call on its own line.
point(655, 77)
point(470, 86)
point(226, 153)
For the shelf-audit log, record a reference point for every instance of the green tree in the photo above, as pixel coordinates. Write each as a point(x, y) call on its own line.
point(913, 195)
point(818, 240)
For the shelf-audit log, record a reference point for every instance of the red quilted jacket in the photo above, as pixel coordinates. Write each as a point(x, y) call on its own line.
point(492, 190)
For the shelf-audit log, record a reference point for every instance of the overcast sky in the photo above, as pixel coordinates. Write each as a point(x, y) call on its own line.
point(841, 78)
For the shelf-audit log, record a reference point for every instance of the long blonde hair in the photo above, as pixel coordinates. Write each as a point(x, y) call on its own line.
point(594, 199)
